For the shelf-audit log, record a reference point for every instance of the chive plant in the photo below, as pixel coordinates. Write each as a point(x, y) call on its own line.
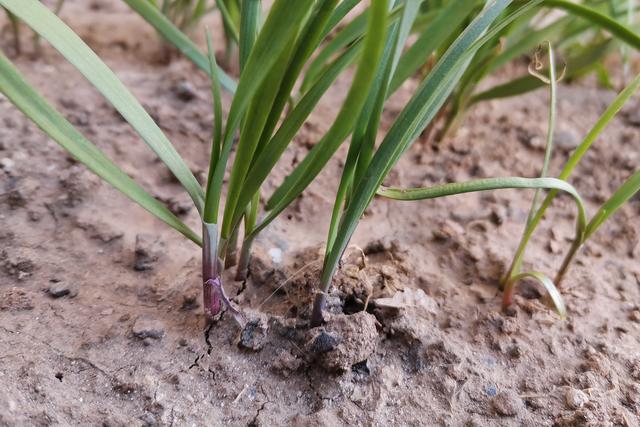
point(272, 55)
point(514, 182)
point(584, 228)
point(615, 202)
point(366, 167)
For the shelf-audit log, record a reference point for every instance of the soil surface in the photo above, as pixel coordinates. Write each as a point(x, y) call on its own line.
point(100, 315)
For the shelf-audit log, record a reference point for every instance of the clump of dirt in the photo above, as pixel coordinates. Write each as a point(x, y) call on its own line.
point(100, 314)
point(344, 341)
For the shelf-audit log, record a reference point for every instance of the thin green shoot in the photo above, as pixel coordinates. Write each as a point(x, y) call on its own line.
point(621, 196)
point(566, 172)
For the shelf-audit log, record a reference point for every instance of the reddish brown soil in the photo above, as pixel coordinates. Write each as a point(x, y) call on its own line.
point(127, 347)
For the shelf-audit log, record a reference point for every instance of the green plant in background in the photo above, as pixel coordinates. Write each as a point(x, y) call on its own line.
point(584, 32)
point(366, 167)
point(271, 59)
point(185, 14)
point(617, 200)
point(15, 29)
point(177, 38)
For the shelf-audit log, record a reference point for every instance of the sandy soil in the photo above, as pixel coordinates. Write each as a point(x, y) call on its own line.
point(100, 317)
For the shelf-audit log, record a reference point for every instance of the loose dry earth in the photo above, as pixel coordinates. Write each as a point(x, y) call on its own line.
point(100, 317)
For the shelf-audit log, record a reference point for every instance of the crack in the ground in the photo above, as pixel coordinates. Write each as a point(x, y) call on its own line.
point(195, 362)
point(243, 287)
point(254, 421)
point(207, 331)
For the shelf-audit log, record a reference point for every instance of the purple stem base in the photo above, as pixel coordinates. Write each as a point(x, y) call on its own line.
point(215, 299)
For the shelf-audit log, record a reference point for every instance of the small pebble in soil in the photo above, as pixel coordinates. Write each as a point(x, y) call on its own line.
point(566, 139)
point(185, 91)
point(190, 302)
point(254, 335)
point(491, 390)
point(147, 327)
point(575, 399)
point(6, 164)
point(634, 316)
point(323, 343)
point(59, 289)
point(507, 403)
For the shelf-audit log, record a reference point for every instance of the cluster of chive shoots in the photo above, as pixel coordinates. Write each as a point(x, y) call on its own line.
point(312, 42)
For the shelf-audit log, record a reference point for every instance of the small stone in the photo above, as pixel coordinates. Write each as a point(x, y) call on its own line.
point(491, 390)
point(554, 247)
point(507, 403)
point(147, 327)
point(566, 139)
point(6, 164)
point(361, 368)
point(185, 91)
point(34, 215)
point(575, 399)
point(498, 215)
point(100, 231)
point(634, 316)
point(323, 343)
point(535, 142)
point(59, 289)
point(254, 335)
point(190, 302)
point(179, 206)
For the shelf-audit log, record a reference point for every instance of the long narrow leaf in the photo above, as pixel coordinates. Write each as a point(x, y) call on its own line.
point(277, 145)
point(625, 192)
point(281, 25)
point(51, 28)
point(576, 66)
point(411, 121)
point(614, 27)
point(344, 122)
point(34, 106)
point(308, 40)
point(446, 22)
